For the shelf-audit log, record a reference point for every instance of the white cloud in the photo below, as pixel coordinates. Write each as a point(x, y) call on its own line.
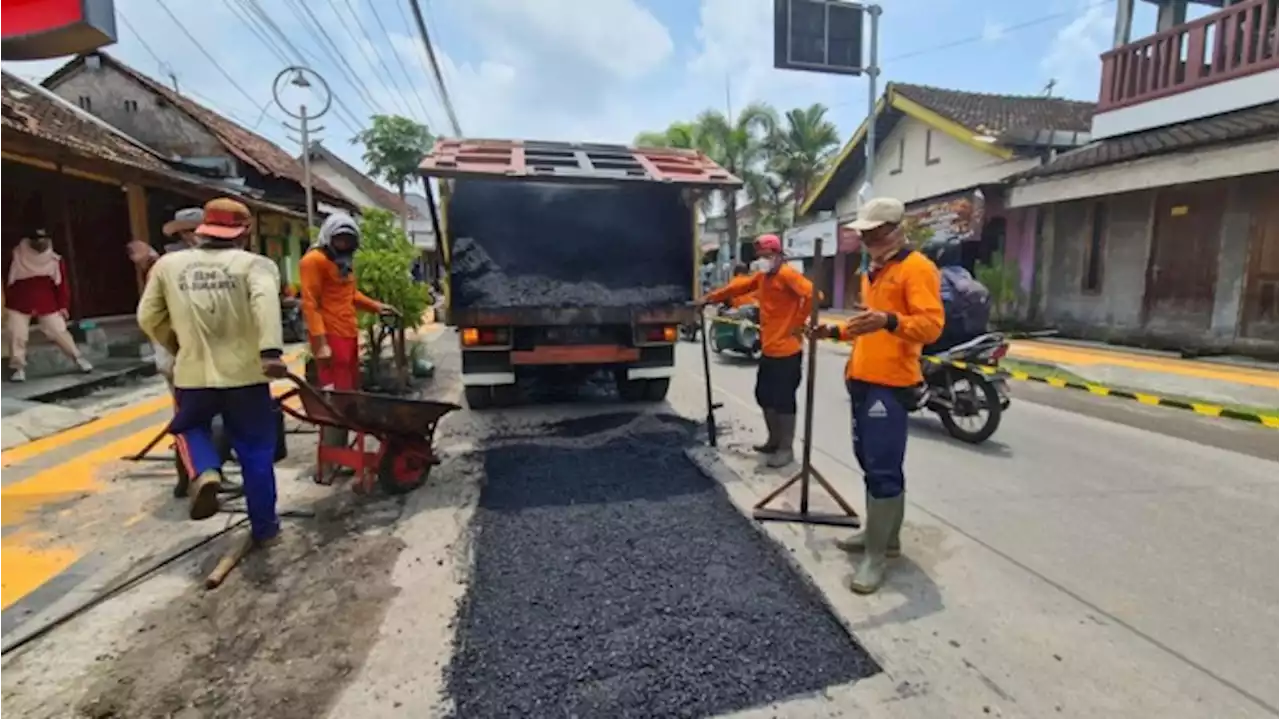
point(1072, 57)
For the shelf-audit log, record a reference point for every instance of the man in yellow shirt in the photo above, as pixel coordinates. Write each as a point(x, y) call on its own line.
point(784, 295)
point(902, 294)
point(217, 308)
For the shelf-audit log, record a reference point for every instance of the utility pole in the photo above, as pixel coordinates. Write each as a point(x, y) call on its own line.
point(873, 73)
point(299, 80)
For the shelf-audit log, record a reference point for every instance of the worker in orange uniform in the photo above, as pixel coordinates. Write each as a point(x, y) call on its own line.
point(784, 296)
point(902, 294)
point(330, 301)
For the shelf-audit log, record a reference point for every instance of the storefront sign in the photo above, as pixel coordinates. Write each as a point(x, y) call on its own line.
point(799, 241)
point(40, 29)
point(950, 219)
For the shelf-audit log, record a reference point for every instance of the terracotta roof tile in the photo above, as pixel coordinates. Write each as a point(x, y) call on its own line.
point(28, 110)
point(384, 197)
point(1230, 127)
point(253, 149)
point(1000, 114)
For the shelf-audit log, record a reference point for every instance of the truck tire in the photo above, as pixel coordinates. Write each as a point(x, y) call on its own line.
point(630, 390)
point(505, 395)
point(479, 397)
point(655, 390)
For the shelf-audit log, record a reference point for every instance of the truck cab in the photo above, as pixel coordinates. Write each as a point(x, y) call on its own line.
point(565, 260)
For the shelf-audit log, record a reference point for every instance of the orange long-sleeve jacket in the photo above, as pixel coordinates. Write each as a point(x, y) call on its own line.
point(909, 288)
point(329, 300)
point(785, 298)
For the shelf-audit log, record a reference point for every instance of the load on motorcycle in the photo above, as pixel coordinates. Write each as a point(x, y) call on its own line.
point(969, 402)
point(738, 328)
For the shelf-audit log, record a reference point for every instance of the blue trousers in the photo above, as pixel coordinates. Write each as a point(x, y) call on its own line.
point(879, 437)
point(249, 418)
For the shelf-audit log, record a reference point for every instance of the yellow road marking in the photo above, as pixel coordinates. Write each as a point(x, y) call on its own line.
point(25, 568)
point(1185, 368)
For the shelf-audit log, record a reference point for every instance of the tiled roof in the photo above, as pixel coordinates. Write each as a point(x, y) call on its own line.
point(385, 198)
point(1000, 114)
point(1229, 127)
point(27, 109)
point(253, 149)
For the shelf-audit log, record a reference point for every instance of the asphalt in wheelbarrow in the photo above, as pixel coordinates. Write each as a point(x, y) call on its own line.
point(617, 581)
point(387, 414)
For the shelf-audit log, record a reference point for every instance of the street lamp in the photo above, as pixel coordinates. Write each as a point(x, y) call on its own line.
point(299, 80)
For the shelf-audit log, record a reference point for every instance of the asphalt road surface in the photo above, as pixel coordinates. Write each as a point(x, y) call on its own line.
point(1161, 521)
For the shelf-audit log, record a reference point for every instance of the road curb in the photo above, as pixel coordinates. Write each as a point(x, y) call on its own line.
point(1148, 398)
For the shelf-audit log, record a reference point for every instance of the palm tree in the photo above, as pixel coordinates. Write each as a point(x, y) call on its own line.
point(677, 134)
point(801, 151)
point(740, 146)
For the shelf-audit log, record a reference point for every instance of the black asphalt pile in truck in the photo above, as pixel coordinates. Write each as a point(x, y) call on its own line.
point(566, 259)
point(568, 246)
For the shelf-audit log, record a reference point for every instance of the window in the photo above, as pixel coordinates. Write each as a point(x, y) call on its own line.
point(130, 105)
point(902, 152)
point(1092, 280)
point(929, 159)
point(83, 102)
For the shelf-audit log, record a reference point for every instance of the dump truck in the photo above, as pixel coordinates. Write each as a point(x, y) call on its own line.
point(563, 260)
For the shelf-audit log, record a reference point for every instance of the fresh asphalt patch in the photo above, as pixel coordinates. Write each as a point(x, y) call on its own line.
point(618, 581)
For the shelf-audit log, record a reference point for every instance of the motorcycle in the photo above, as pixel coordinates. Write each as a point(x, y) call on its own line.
point(294, 327)
point(969, 401)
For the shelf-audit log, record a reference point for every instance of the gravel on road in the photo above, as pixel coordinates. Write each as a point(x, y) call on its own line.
point(619, 582)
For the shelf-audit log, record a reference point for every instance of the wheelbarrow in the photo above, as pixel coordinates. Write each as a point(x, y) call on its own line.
point(404, 430)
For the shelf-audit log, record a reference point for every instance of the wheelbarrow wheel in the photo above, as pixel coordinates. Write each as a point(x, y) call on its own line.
point(402, 469)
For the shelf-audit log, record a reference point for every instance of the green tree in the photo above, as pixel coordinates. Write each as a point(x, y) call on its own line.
point(740, 146)
point(384, 271)
point(1002, 279)
point(678, 134)
point(393, 148)
point(801, 148)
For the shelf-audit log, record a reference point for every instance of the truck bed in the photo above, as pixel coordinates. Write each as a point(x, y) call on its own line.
point(542, 245)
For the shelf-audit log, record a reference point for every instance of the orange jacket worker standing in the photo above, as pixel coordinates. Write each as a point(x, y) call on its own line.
point(902, 292)
point(330, 301)
point(784, 296)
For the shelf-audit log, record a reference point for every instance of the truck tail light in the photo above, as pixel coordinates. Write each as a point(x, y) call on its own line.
point(659, 333)
point(485, 336)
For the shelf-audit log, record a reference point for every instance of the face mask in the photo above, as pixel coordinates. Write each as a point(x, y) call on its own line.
point(760, 265)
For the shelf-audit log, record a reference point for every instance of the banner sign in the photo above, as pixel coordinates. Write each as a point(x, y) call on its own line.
point(956, 218)
point(42, 29)
point(798, 241)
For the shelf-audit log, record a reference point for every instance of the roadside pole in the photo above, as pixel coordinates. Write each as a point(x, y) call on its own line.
point(299, 79)
point(873, 74)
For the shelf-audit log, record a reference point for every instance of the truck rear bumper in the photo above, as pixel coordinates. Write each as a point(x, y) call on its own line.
point(490, 368)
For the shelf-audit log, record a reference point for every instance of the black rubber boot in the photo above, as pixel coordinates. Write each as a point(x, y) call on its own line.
point(771, 444)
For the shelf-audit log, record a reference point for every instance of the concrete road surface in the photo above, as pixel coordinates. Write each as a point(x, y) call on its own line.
point(1159, 526)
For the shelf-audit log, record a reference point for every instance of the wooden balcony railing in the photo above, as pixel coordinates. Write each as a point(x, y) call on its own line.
point(1233, 42)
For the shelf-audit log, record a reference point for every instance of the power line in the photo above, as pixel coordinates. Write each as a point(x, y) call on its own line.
point(216, 64)
point(1005, 31)
point(435, 68)
point(353, 77)
point(254, 28)
point(388, 79)
point(404, 70)
point(351, 119)
point(422, 58)
point(142, 41)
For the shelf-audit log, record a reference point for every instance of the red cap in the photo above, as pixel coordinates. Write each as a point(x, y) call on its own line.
point(769, 243)
point(225, 219)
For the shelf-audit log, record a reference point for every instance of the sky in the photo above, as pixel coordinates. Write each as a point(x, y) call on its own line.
point(587, 70)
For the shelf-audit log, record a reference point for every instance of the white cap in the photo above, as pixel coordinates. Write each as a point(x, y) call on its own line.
point(878, 211)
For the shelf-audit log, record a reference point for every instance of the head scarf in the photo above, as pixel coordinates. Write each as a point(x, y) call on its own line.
point(336, 224)
point(28, 263)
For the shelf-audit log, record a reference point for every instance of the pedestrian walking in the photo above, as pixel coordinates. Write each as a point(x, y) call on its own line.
point(902, 313)
point(37, 289)
point(216, 307)
point(784, 297)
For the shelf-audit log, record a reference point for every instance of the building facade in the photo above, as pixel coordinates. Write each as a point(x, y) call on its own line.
point(1163, 230)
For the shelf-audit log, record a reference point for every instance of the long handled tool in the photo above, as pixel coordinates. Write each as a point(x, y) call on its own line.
point(761, 512)
point(712, 405)
point(240, 547)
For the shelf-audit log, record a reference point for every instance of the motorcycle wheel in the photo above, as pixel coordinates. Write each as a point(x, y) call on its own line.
point(967, 384)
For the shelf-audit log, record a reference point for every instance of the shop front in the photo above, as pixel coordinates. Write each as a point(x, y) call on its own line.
point(283, 238)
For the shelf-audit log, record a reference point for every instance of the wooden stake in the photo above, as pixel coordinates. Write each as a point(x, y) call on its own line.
point(239, 548)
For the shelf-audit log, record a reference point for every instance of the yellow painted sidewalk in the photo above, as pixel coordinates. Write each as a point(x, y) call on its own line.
point(30, 557)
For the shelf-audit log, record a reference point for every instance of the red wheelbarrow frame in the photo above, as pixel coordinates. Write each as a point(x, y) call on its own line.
point(404, 429)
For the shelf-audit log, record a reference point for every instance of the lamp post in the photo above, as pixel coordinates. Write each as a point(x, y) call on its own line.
point(298, 77)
